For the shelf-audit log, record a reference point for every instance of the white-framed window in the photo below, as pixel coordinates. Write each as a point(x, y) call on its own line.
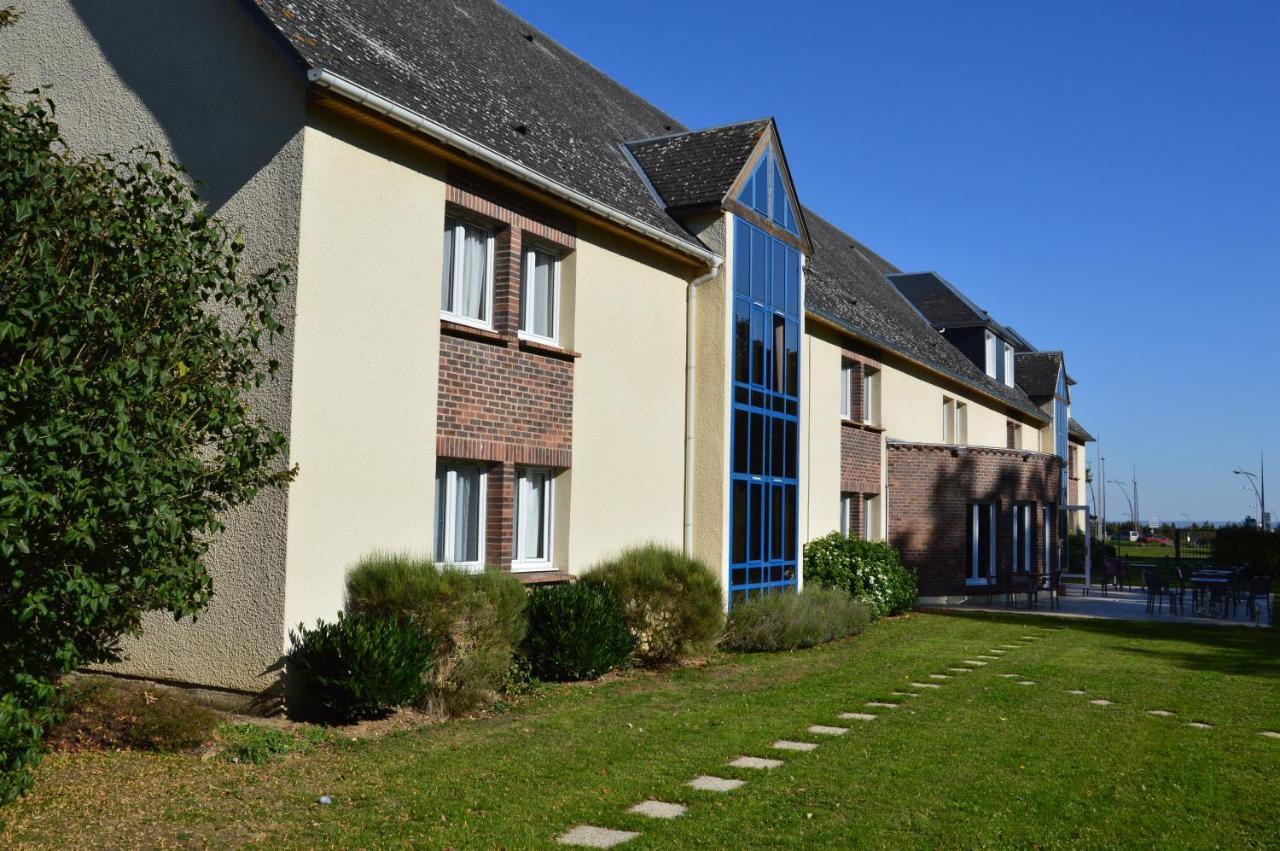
point(991, 342)
point(540, 295)
point(1008, 365)
point(871, 396)
point(948, 420)
point(871, 517)
point(460, 497)
point(1048, 540)
point(962, 423)
point(534, 500)
point(846, 513)
point(1023, 536)
point(466, 293)
point(982, 543)
point(846, 390)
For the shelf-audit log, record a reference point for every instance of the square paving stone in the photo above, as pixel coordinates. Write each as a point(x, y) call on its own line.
point(1200, 725)
point(997, 652)
point(961, 670)
point(658, 809)
point(923, 685)
point(904, 694)
point(1075, 691)
point(755, 762)
point(707, 783)
point(1270, 734)
point(882, 704)
point(939, 677)
point(1101, 702)
point(989, 658)
point(1012, 646)
point(857, 716)
point(787, 745)
point(589, 836)
point(1163, 713)
point(1026, 682)
point(972, 662)
point(824, 730)
point(1009, 676)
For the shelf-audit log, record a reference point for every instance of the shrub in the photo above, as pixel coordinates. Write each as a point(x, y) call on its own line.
point(786, 621)
point(1248, 546)
point(359, 666)
point(1075, 551)
point(475, 621)
point(673, 603)
point(131, 343)
point(869, 570)
point(576, 632)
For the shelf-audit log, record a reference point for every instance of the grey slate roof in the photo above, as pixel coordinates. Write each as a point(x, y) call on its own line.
point(846, 283)
point(481, 71)
point(942, 304)
point(697, 168)
point(1037, 373)
point(1074, 429)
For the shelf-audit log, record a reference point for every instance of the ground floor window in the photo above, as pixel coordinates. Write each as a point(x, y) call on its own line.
point(532, 519)
point(1048, 539)
point(460, 497)
point(871, 517)
point(982, 542)
point(846, 513)
point(1023, 533)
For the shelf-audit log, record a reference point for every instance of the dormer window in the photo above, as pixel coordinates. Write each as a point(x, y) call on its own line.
point(992, 365)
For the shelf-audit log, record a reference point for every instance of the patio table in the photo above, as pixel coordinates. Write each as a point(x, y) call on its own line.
point(1206, 587)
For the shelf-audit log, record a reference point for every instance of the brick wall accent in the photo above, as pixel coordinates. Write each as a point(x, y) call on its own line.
point(930, 489)
point(859, 458)
point(1010, 434)
point(503, 400)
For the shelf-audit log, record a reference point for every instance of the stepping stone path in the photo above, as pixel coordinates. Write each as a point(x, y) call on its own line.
point(1026, 682)
point(1200, 725)
point(1163, 713)
point(904, 694)
point(1030, 637)
point(1270, 734)
point(997, 651)
point(1075, 691)
point(588, 836)
point(658, 809)
point(939, 677)
point(707, 783)
point(857, 716)
point(787, 745)
point(882, 705)
point(1101, 702)
point(1010, 676)
point(972, 662)
point(755, 762)
point(923, 685)
point(990, 658)
point(824, 730)
point(961, 670)
point(1011, 646)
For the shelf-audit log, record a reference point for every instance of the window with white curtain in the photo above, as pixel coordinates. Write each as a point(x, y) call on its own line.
point(466, 292)
point(846, 390)
point(871, 396)
point(460, 491)
point(540, 296)
point(532, 514)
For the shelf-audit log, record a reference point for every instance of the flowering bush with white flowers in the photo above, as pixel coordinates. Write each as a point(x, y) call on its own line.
point(869, 570)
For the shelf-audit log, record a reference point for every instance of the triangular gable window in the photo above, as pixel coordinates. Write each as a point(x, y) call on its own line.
point(766, 193)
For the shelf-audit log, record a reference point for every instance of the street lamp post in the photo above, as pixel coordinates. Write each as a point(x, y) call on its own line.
point(1262, 502)
point(1132, 516)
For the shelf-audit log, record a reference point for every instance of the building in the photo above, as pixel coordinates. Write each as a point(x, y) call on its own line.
point(535, 319)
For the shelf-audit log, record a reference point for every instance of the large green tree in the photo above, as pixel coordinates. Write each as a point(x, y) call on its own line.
point(130, 342)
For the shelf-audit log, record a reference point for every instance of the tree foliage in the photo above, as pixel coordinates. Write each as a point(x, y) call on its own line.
point(130, 341)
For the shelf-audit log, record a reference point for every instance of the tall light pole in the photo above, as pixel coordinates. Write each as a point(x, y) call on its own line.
point(1132, 516)
point(1262, 502)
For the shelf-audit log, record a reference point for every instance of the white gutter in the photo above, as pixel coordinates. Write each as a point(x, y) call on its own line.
point(690, 379)
point(488, 156)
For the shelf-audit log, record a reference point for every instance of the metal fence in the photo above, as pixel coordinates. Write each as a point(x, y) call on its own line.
point(1194, 544)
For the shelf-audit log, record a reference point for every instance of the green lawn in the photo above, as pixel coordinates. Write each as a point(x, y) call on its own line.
point(1150, 552)
point(982, 761)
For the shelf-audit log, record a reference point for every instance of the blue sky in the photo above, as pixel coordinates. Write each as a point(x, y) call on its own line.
point(1104, 177)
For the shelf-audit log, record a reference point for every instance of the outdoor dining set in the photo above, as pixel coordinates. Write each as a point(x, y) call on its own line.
point(1219, 592)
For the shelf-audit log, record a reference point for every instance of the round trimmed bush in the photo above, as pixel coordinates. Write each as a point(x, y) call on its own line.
point(576, 632)
point(673, 603)
point(787, 621)
point(359, 666)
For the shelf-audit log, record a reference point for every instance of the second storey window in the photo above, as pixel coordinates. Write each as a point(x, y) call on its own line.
point(871, 396)
point(990, 353)
point(532, 519)
point(1008, 365)
point(948, 420)
point(962, 423)
point(466, 293)
point(540, 294)
point(846, 390)
point(460, 515)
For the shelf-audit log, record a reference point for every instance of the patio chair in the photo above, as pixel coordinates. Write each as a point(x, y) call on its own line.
point(1055, 582)
point(1259, 591)
point(1111, 571)
point(1155, 600)
point(1178, 589)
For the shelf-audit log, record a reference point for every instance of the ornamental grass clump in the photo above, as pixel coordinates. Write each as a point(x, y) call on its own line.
point(576, 632)
point(673, 603)
point(870, 571)
point(474, 620)
point(787, 621)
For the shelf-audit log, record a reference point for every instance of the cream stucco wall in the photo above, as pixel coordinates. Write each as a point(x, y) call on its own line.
point(820, 441)
point(367, 359)
point(911, 408)
point(628, 417)
point(227, 106)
